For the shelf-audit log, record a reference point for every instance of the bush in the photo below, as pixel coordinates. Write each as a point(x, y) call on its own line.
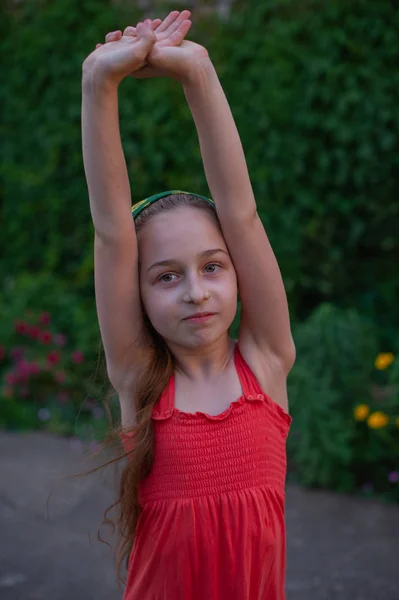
point(48, 373)
point(345, 404)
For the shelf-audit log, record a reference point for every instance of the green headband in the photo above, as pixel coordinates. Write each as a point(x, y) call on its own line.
point(139, 206)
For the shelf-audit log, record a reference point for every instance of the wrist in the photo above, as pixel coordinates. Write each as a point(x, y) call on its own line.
point(94, 80)
point(199, 75)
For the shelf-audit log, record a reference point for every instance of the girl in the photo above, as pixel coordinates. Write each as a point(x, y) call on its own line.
point(202, 494)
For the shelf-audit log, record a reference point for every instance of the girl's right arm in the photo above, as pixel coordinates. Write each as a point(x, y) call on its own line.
point(115, 245)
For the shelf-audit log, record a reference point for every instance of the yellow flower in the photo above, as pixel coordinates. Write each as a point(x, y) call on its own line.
point(361, 412)
point(377, 420)
point(383, 360)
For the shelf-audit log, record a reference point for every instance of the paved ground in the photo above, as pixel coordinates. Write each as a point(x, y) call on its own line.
point(338, 547)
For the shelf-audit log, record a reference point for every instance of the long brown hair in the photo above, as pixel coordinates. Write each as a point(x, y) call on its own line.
point(149, 387)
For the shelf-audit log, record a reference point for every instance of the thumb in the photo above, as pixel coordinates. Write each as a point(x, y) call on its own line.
point(146, 36)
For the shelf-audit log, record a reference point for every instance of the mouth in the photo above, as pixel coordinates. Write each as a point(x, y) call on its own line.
point(199, 317)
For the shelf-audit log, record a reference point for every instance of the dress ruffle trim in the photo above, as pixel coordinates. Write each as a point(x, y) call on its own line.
point(276, 410)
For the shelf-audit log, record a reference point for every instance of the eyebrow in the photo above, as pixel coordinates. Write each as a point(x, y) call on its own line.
point(173, 261)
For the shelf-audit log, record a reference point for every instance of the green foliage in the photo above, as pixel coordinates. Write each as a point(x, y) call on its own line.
point(333, 375)
point(317, 104)
point(314, 88)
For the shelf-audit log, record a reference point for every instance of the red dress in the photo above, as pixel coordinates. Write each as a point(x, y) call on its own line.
point(212, 524)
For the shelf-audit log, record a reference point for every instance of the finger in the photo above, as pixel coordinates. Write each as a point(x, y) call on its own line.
point(184, 27)
point(146, 36)
point(112, 36)
point(129, 30)
point(168, 21)
point(177, 22)
point(176, 38)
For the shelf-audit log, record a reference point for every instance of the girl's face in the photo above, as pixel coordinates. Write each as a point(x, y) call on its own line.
point(196, 275)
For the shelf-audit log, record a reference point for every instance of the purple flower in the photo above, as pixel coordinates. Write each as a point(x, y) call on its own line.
point(97, 412)
point(43, 414)
point(16, 353)
point(393, 477)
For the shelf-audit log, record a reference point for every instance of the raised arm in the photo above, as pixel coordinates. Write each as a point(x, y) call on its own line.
point(265, 317)
point(115, 246)
point(265, 320)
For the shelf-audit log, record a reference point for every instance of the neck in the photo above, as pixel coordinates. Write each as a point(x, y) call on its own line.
point(205, 362)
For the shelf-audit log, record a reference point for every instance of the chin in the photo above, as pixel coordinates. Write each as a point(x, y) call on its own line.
point(202, 337)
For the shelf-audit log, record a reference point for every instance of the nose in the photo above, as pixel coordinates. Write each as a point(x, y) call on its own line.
point(195, 291)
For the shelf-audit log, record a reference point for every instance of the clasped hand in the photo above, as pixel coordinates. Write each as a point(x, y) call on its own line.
point(154, 48)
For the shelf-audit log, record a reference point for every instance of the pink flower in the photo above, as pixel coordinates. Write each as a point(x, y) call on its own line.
point(28, 329)
point(44, 318)
point(60, 339)
point(23, 370)
point(60, 377)
point(34, 332)
point(2, 352)
point(23, 366)
point(21, 327)
point(53, 357)
point(45, 337)
point(77, 357)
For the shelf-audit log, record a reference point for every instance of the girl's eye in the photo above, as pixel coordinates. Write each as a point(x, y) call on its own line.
point(166, 275)
point(169, 277)
point(213, 266)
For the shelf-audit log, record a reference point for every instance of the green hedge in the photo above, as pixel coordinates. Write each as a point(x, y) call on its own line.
point(314, 88)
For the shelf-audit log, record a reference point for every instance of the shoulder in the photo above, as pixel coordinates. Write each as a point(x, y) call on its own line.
point(270, 370)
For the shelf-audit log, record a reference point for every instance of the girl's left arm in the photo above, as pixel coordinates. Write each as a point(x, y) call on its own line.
point(265, 317)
